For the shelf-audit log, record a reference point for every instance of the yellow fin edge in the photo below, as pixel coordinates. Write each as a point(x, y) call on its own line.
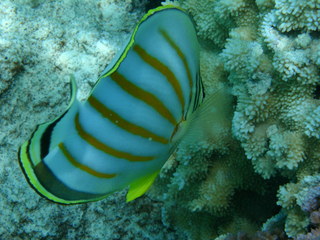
point(140, 186)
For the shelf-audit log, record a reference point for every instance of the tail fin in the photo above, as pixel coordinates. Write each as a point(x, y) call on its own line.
point(33, 151)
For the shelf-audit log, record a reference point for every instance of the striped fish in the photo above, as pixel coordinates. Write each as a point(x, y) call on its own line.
point(131, 122)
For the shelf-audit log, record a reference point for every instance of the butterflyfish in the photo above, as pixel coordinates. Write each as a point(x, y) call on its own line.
point(131, 122)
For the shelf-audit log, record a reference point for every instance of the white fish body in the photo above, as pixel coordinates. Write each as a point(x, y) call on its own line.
point(129, 125)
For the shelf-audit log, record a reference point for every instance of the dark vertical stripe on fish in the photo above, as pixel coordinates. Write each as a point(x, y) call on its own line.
point(105, 148)
point(163, 69)
point(123, 123)
point(144, 96)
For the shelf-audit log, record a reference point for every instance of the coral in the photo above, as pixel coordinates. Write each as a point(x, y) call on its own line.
point(298, 15)
point(276, 113)
point(277, 125)
point(211, 26)
point(257, 236)
point(268, 53)
point(207, 184)
point(300, 202)
point(283, 117)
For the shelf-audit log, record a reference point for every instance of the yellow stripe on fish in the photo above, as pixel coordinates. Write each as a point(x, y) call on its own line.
point(131, 122)
point(163, 69)
point(123, 123)
point(76, 164)
point(103, 147)
point(143, 95)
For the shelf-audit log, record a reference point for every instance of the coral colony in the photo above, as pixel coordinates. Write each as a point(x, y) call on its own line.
point(267, 166)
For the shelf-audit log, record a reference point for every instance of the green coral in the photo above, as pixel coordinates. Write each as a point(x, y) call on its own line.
point(268, 53)
point(298, 200)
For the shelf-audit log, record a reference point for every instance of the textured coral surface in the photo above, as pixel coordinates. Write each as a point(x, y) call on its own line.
point(41, 44)
point(262, 166)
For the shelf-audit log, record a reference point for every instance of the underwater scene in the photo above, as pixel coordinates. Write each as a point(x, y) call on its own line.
point(160, 119)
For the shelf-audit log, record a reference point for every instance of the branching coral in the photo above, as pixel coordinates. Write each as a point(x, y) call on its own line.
point(298, 15)
point(268, 52)
point(206, 193)
point(301, 203)
point(205, 186)
point(211, 25)
point(281, 115)
point(277, 134)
